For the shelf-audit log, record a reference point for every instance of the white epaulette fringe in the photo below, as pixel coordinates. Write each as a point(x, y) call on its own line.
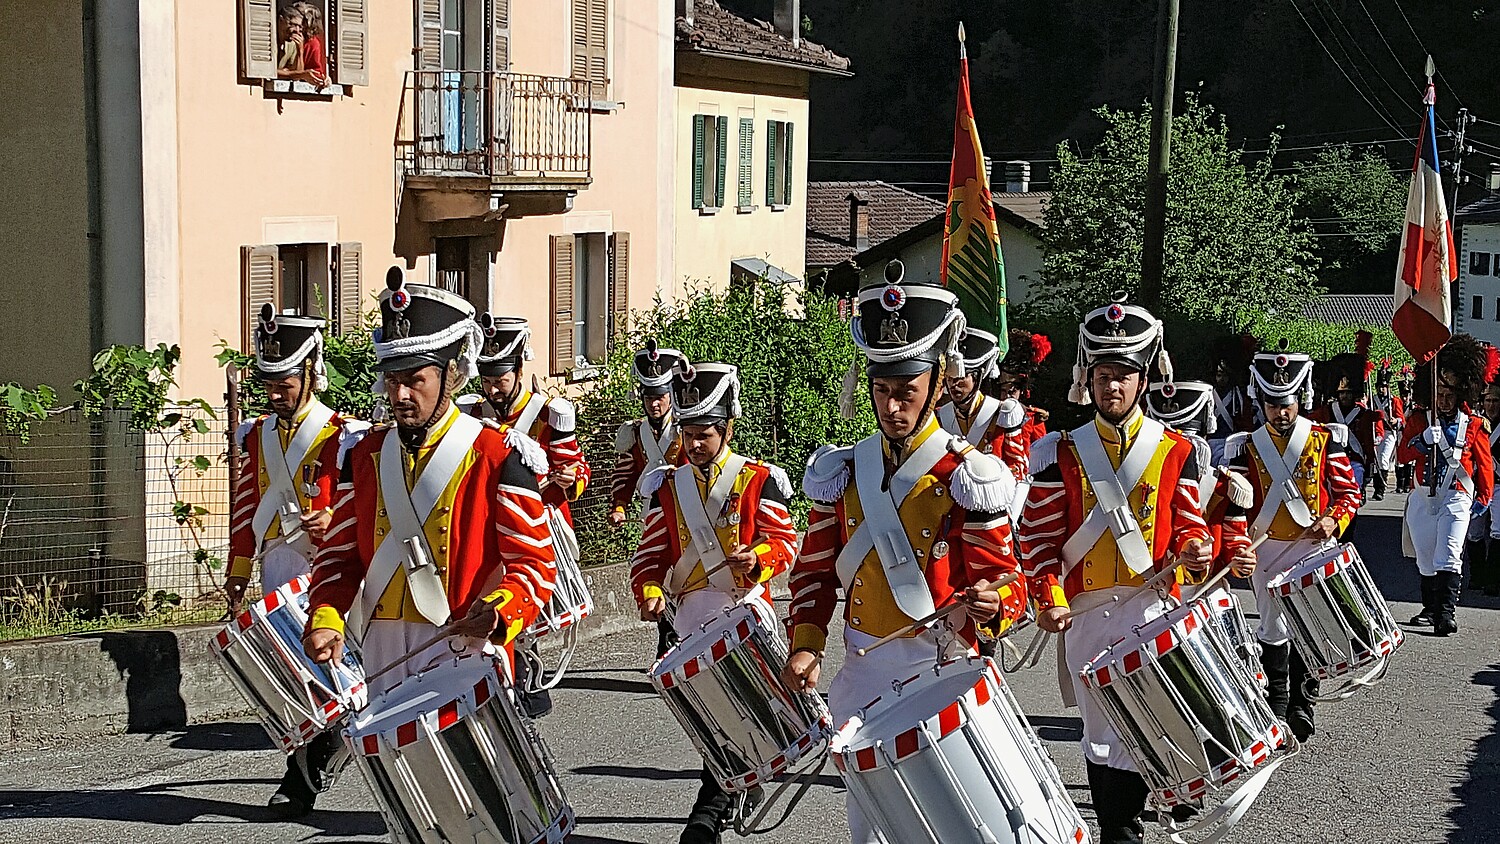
point(828, 472)
point(981, 483)
point(533, 456)
point(1044, 452)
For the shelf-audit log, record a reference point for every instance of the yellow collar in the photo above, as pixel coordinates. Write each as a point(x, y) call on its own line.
point(436, 432)
point(297, 420)
point(913, 442)
point(972, 405)
point(1109, 432)
point(712, 470)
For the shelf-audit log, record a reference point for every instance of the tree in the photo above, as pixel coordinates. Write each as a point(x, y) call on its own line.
point(1234, 246)
point(1357, 207)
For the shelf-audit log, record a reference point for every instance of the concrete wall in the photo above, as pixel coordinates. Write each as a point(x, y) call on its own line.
point(1481, 238)
point(629, 147)
point(1021, 250)
point(707, 242)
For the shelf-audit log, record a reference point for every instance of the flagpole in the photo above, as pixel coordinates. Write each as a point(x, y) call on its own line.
point(1432, 413)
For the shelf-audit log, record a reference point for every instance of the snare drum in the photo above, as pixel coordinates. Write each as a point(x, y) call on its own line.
point(295, 697)
point(1338, 618)
point(723, 684)
point(1187, 709)
point(571, 601)
point(951, 759)
point(1225, 610)
point(450, 758)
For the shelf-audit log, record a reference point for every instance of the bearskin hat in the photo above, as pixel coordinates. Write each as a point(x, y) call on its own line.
point(1342, 372)
point(1464, 364)
point(1233, 354)
point(1028, 350)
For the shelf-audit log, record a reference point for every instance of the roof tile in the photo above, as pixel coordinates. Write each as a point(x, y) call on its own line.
point(717, 30)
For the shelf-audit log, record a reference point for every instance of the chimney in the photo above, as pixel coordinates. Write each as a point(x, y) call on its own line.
point(859, 222)
point(1017, 176)
point(685, 11)
point(1492, 183)
point(786, 16)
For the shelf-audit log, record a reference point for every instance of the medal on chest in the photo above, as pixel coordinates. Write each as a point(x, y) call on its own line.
point(729, 515)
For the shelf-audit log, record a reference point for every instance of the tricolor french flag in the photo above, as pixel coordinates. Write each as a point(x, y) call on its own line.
point(1428, 262)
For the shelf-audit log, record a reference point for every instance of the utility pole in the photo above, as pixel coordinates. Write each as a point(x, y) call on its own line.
point(1153, 247)
point(1465, 120)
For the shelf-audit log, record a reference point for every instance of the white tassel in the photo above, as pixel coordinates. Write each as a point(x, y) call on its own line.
point(533, 456)
point(652, 481)
point(779, 475)
point(982, 484)
point(846, 395)
point(1044, 452)
point(350, 435)
point(1077, 393)
point(828, 471)
point(1164, 364)
point(1238, 489)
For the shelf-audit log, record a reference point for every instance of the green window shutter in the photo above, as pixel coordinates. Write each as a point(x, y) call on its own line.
point(697, 161)
point(747, 153)
point(770, 162)
point(723, 123)
point(786, 166)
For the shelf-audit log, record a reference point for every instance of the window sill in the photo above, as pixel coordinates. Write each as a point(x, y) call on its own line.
point(708, 211)
point(746, 209)
point(297, 87)
point(779, 208)
point(585, 372)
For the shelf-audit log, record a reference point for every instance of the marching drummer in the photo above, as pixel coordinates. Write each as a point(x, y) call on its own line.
point(283, 498)
point(1305, 496)
point(1025, 354)
point(550, 420)
point(1442, 503)
point(995, 424)
point(1483, 546)
point(1083, 555)
point(910, 493)
point(438, 517)
point(1388, 404)
point(1233, 410)
point(646, 443)
point(716, 531)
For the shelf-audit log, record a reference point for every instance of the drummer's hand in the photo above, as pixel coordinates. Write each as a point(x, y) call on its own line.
point(479, 623)
point(323, 645)
point(983, 601)
point(1054, 620)
point(316, 524)
point(1324, 528)
point(235, 588)
point(565, 476)
point(652, 608)
point(1243, 563)
point(802, 671)
point(744, 562)
point(616, 518)
point(1198, 555)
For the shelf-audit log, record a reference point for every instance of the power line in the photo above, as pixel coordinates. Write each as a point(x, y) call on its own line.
point(1373, 66)
point(1428, 52)
point(1388, 48)
point(1316, 37)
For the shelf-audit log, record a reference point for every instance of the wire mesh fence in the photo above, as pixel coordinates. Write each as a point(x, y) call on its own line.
point(105, 525)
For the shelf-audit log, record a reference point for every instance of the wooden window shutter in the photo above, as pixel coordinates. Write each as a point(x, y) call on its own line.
point(500, 36)
point(430, 34)
point(349, 304)
point(786, 165)
point(258, 39)
point(619, 285)
point(590, 38)
point(563, 328)
point(698, 160)
point(351, 60)
point(747, 153)
point(771, 141)
point(259, 270)
point(723, 172)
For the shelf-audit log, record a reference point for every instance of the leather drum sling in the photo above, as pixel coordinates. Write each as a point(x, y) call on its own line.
point(281, 487)
point(704, 546)
point(1112, 510)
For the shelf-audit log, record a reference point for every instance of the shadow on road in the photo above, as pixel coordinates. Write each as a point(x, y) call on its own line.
point(630, 772)
point(159, 805)
point(1477, 814)
point(235, 735)
point(1057, 727)
point(619, 685)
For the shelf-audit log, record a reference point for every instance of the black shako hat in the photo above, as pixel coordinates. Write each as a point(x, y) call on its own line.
point(654, 368)
point(705, 393)
point(1186, 406)
point(1282, 377)
point(421, 325)
point(285, 342)
point(981, 353)
point(507, 342)
point(1124, 334)
point(907, 329)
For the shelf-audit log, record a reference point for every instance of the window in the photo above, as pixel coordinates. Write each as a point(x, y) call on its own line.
point(1479, 263)
point(590, 297)
point(319, 279)
point(1476, 308)
point(311, 46)
point(778, 163)
point(746, 199)
point(590, 24)
point(710, 143)
point(1497, 309)
point(452, 262)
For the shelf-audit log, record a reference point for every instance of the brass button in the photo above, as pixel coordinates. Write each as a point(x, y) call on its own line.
point(442, 529)
point(859, 582)
point(442, 549)
point(851, 521)
point(938, 491)
point(921, 553)
point(854, 621)
point(926, 532)
point(859, 601)
point(440, 569)
point(380, 607)
point(1088, 581)
point(380, 531)
point(382, 512)
point(447, 509)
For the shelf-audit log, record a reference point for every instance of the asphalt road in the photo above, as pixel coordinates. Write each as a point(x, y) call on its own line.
point(1416, 759)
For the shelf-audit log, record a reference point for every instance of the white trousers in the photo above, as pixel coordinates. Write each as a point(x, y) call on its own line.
point(1274, 557)
point(1385, 451)
point(1486, 524)
point(1102, 618)
point(281, 565)
point(386, 640)
point(1437, 525)
point(702, 606)
point(865, 678)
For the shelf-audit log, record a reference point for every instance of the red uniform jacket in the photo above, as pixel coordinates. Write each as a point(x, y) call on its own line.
point(1059, 501)
point(1365, 430)
point(631, 461)
point(1324, 474)
point(489, 534)
point(555, 429)
point(1477, 459)
point(759, 500)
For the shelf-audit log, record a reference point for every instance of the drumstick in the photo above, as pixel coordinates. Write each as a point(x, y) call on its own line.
point(443, 632)
point(1219, 576)
point(932, 617)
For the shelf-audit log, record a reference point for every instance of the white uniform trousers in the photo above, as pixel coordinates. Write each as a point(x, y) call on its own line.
point(1096, 626)
point(1385, 451)
point(865, 678)
point(283, 563)
point(388, 639)
point(1486, 524)
point(701, 606)
point(1437, 525)
point(1274, 557)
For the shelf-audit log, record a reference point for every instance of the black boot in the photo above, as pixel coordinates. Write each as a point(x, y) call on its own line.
point(1119, 799)
point(710, 813)
point(1275, 659)
point(536, 704)
point(295, 796)
point(666, 637)
point(1424, 618)
point(1302, 688)
point(1446, 591)
point(1379, 484)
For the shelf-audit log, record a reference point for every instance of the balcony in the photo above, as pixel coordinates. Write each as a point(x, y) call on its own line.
point(480, 146)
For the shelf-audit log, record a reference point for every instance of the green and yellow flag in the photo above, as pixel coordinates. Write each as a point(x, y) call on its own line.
point(972, 264)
